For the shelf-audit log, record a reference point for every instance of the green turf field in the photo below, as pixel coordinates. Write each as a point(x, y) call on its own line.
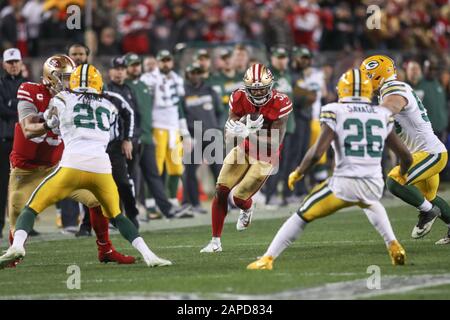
point(329, 261)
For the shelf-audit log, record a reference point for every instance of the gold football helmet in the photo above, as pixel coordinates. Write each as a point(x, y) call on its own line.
point(378, 68)
point(258, 82)
point(86, 78)
point(56, 72)
point(354, 84)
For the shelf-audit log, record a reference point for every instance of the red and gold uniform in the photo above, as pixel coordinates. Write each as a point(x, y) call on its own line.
point(34, 159)
point(246, 167)
point(249, 177)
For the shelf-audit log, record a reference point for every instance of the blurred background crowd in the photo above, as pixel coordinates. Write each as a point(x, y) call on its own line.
point(306, 43)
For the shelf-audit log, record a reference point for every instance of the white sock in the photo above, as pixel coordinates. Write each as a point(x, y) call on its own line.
point(142, 247)
point(20, 236)
point(378, 217)
point(425, 206)
point(216, 240)
point(287, 234)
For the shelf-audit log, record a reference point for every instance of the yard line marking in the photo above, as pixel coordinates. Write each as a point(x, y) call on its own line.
point(345, 290)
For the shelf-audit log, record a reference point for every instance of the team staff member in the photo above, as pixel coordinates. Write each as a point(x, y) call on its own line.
point(9, 84)
point(147, 162)
point(201, 105)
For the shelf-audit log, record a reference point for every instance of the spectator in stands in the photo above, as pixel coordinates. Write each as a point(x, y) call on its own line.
point(192, 27)
point(134, 24)
point(276, 28)
point(32, 12)
point(108, 45)
point(13, 28)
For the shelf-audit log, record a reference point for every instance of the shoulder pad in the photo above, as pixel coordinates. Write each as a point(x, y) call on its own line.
point(235, 97)
point(28, 91)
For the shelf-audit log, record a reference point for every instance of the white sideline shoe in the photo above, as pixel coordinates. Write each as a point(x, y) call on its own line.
point(245, 218)
point(212, 246)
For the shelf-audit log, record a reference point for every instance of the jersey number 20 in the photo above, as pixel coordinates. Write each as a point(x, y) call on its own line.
point(363, 129)
point(85, 117)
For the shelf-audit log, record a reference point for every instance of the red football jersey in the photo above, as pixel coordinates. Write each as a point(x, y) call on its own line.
point(45, 150)
point(277, 107)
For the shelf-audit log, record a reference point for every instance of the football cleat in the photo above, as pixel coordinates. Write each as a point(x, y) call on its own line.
point(11, 255)
point(107, 253)
point(426, 220)
point(157, 262)
point(263, 263)
point(245, 218)
point(444, 240)
point(397, 253)
point(212, 246)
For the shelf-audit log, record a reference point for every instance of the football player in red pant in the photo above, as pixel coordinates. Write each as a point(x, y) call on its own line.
point(248, 165)
point(37, 149)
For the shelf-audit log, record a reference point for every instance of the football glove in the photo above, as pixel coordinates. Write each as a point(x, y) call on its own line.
point(236, 128)
point(256, 125)
point(51, 119)
point(294, 177)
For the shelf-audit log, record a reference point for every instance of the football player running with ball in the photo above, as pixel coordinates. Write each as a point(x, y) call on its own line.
point(38, 148)
point(420, 185)
point(247, 166)
point(84, 117)
point(357, 132)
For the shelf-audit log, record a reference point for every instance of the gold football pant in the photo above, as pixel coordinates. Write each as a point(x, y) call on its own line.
point(63, 181)
point(243, 172)
point(171, 158)
point(22, 183)
point(322, 202)
point(423, 173)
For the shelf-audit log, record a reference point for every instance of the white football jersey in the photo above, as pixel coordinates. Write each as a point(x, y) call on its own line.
point(168, 90)
point(84, 126)
point(361, 130)
point(412, 124)
point(315, 81)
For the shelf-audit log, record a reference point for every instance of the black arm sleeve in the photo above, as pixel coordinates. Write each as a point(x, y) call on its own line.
point(126, 113)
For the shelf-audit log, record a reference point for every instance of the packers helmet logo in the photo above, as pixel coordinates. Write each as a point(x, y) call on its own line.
point(372, 65)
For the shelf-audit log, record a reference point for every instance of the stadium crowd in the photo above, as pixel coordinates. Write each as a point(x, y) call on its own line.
point(307, 45)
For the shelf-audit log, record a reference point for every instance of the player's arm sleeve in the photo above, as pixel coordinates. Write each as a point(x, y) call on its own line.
point(396, 88)
point(286, 108)
point(26, 109)
point(125, 112)
point(328, 116)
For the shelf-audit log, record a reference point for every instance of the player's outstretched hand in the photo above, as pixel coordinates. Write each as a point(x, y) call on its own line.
point(236, 128)
point(294, 177)
point(254, 125)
